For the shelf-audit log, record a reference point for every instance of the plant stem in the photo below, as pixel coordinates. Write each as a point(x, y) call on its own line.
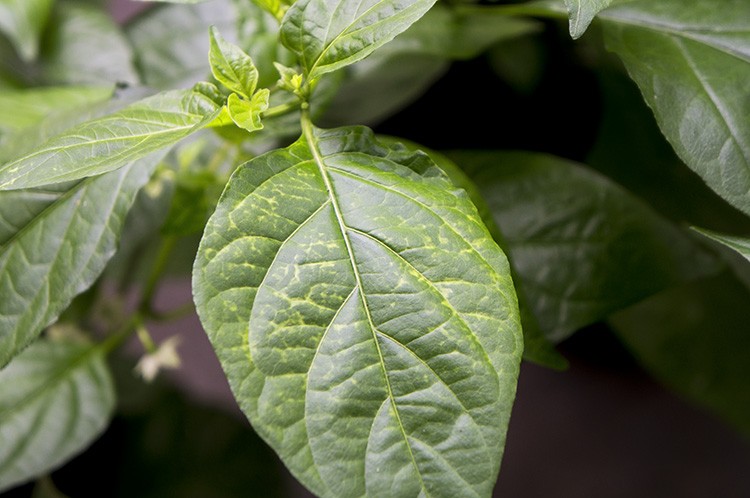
point(162, 258)
point(280, 110)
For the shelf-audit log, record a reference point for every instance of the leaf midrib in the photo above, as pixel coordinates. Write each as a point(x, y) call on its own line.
point(309, 135)
point(667, 29)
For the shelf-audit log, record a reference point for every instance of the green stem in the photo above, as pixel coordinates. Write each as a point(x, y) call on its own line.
point(280, 110)
point(162, 258)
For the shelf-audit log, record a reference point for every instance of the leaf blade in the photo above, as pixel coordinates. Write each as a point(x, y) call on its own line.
point(55, 399)
point(329, 34)
point(352, 285)
point(694, 82)
point(105, 144)
point(56, 246)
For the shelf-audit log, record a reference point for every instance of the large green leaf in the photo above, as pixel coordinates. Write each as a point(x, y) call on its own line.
point(107, 143)
point(581, 247)
point(84, 46)
point(23, 21)
point(54, 243)
point(691, 61)
point(329, 34)
point(365, 318)
point(55, 399)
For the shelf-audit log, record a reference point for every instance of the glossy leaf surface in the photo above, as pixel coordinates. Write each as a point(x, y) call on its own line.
point(581, 246)
point(364, 317)
point(231, 66)
point(54, 243)
point(692, 64)
point(109, 142)
point(55, 399)
point(329, 34)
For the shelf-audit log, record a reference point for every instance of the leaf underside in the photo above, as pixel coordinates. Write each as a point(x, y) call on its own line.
point(692, 64)
point(55, 398)
point(364, 317)
point(54, 243)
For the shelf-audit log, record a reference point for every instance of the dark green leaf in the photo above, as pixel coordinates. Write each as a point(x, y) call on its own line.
point(329, 34)
point(84, 46)
point(109, 142)
point(365, 318)
point(692, 64)
point(55, 399)
point(23, 21)
point(54, 243)
point(695, 340)
point(581, 246)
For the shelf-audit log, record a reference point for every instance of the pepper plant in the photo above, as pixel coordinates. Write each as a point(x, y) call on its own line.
point(370, 299)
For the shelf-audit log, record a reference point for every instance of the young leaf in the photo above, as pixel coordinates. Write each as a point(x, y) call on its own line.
point(54, 243)
point(109, 142)
point(364, 317)
point(55, 399)
point(231, 66)
point(692, 63)
point(246, 114)
point(84, 46)
point(329, 34)
point(23, 21)
point(581, 247)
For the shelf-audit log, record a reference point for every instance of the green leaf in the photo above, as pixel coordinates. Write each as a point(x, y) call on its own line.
point(109, 142)
point(694, 340)
point(692, 64)
point(582, 12)
point(84, 46)
point(329, 34)
point(741, 245)
point(246, 113)
point(581, 246)
point(55, 399)
point(231, 66)
point(54, 243)
point(23, 21)
point(364, 317)
point(22, 108)
point(536, 347)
